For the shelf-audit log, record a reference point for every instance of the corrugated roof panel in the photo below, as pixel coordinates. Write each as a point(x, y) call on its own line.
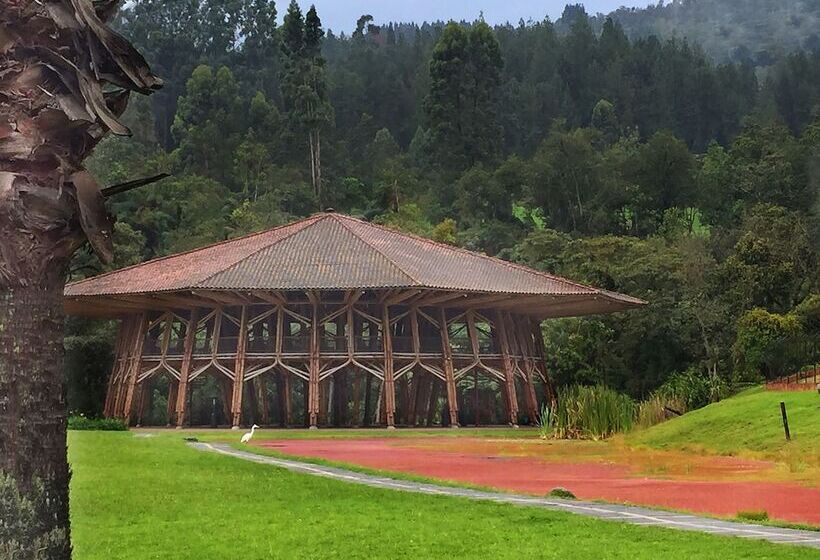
point(184, 270)
point(328, 252)
point(440, 266)
point(324, 256)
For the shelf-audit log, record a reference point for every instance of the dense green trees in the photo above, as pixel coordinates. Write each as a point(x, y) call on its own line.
point(639, 166)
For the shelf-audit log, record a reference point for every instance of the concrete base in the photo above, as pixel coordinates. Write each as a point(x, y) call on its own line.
point(391, 427)
point(234, 427)
point(313, 428)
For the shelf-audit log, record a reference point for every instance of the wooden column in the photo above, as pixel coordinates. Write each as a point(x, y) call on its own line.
point(185, 369)
point(541, 352)
point(170, 409)
point(122, 335)
point(313, 380)
point(525, 342)
point(239, 369)
point(136, 360)
point(449, 374)
point(433, 401)
point(509, 370)
point(287, 411)
point(357, 394)
point(261, 387)
point(389, 384)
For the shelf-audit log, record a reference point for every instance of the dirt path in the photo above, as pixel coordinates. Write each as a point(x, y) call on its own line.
point(587, 480)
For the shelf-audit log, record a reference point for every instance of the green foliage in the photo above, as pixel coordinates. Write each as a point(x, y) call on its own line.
point(692, 389)
point(592, 412)
point(635, 164)
point(81, 422)
point(761, 338)
point(462, 106)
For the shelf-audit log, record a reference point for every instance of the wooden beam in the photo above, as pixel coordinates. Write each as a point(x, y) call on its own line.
point(122, 335)
point(239, 369)
point(401, 296)
point(474, 301)
point(136, 361)
point(438, 297)
point(449, 374)
point(389, 383)
point(509, 371)
point(314, 401)
point(185, 369)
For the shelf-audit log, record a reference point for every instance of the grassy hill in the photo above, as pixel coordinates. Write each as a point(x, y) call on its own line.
point(748, 423)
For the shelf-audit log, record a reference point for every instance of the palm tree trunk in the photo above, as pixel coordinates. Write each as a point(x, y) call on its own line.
point(55, 59)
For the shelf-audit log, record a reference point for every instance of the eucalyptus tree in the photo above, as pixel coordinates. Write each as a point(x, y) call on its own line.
point(65, 79)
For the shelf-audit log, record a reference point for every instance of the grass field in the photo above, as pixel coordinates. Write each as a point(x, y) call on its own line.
point(749, 425)
point(142, 498)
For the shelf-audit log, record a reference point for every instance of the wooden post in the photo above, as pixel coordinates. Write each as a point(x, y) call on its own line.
point(136, 361)
point(170, 409)
point(526, 346)
point(356, 396)
point(785, 421)
point(185, 369)
point(389, 386)
point(541, 352)
point(433, 401)
point(262, 398)
point(287, 412)
point(239, 369)
point(368, 390)
point(449, 374)
point(509, 371)
point(313, 381)
point(122, 336)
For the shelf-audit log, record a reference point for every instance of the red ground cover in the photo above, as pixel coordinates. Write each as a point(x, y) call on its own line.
point(587, 480)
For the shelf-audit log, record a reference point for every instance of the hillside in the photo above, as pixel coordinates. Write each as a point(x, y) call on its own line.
point(756, 32)
point(748, 422)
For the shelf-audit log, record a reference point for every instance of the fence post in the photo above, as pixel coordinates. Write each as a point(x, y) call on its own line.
point(785, 420)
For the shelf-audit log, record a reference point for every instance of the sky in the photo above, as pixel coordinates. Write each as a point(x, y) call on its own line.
point(341, 15)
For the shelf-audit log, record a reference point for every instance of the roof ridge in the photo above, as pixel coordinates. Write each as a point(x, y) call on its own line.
point(319, 218)
point(393, 263)
point(496, 260)
point(314, 217)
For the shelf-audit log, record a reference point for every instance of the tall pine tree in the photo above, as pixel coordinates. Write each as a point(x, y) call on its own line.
point(304, 88)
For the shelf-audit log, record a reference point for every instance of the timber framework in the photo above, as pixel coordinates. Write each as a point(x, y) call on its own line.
point(331, 321)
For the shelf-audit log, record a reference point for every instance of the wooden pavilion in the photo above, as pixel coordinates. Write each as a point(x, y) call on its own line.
point(331, 320)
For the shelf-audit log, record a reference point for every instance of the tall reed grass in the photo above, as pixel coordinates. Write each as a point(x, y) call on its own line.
point(591, 412)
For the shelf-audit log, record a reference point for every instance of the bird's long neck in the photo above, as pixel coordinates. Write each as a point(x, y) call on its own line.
point(252, 429)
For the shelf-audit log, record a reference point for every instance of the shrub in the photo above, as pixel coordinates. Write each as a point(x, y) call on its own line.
point(691, 389)
point(100, 424)
point(657, 408)
point(761, 344)
point(592, 412)
point(753, 515)
point(562, 493)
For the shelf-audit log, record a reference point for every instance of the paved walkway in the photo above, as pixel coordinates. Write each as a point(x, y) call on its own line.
point(613, 512)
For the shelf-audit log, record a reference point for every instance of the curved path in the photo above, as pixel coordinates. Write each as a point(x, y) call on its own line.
point(714, 486)
point(612, 512)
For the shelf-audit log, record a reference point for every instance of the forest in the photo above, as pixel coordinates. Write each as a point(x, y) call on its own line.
point(637, 162)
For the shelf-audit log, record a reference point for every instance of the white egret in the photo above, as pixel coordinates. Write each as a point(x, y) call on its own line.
point(247, 437)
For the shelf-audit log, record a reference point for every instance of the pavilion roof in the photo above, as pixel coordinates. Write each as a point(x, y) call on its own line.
point(331, 251)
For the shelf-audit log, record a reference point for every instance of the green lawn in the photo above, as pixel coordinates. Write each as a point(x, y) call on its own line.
point(144, 498)
point(750, 421)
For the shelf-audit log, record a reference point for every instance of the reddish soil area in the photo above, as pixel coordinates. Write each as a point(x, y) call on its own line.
point(609, 481)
